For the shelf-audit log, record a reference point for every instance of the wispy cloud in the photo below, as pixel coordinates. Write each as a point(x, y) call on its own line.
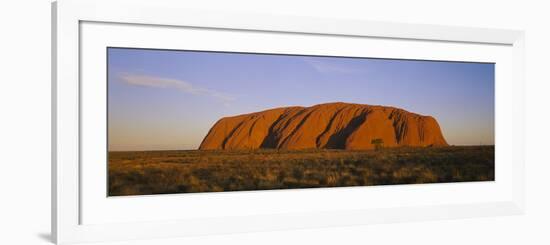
point(170, 83)
point(331, 67)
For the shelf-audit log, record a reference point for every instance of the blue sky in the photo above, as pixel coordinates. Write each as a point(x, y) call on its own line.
point(165, 99)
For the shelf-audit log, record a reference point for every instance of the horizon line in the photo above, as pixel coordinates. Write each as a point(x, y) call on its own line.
point(301, 149)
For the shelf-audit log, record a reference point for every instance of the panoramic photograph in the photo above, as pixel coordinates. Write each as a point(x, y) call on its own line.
point(202, 121)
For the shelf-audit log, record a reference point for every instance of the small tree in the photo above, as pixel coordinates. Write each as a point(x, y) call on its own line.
point(378, 144)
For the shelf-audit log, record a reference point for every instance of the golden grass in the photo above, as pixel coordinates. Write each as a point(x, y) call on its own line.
point(159, 172)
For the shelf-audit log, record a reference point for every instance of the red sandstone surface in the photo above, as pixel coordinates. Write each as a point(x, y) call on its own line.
point(324, 126)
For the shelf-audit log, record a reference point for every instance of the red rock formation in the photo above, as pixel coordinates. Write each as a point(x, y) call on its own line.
point(324, 126)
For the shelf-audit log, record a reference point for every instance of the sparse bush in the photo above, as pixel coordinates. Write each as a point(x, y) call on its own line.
point(378, 143)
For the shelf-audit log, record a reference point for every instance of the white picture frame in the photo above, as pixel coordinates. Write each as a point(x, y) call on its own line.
point(68, 17)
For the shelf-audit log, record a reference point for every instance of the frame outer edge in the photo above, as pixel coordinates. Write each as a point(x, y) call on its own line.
point(216, 19)
point(518, 192)
point(65, 86)
point(53, 133)
point(64, 39)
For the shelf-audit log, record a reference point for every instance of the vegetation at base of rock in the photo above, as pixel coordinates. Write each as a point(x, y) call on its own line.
point(378, 144)
point(161, 172)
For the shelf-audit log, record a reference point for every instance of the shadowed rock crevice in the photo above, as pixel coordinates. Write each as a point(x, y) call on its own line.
point(324, 126)
point(399, 124)
point(231, 133)
point(294, 131)
point(327, 128)
point(338, 140)
point(275, 132)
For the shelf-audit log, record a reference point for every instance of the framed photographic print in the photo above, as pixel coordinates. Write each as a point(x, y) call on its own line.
point(175, 122)
point(305, 125)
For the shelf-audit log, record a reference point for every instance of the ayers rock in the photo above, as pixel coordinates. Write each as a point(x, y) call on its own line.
point(324, 126)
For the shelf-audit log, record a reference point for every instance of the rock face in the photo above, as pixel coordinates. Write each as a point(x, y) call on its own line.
point(324, 126)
